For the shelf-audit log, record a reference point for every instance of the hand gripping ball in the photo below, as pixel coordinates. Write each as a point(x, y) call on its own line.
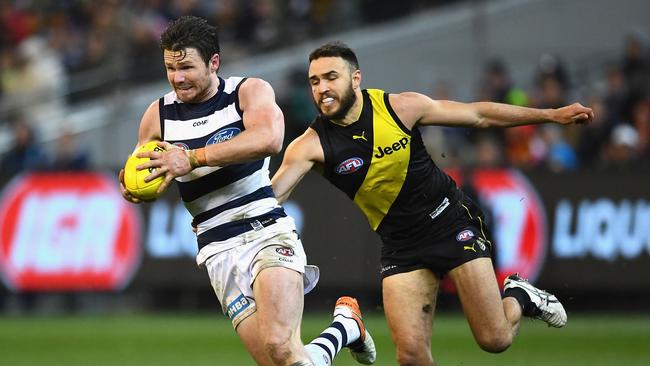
point(134, 179)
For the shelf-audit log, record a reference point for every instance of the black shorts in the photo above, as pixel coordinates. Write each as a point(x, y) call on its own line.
point(466, 238)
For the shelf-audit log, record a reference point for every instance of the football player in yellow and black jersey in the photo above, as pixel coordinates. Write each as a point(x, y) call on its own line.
point(366, 142)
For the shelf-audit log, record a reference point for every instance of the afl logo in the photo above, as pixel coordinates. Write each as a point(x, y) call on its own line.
point(464, 235)
point(287, 252)
point(349, 166)
point(223, 135)
point(181, 145)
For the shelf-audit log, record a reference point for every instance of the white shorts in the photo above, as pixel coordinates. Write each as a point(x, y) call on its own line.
point(233, 271)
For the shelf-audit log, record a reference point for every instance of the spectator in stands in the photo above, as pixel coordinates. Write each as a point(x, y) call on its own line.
point(25, 154)
point(68, 156)
point(621, 152)
point(636, 65)
point(640, 120)
point(594, 137)
point(497, 85)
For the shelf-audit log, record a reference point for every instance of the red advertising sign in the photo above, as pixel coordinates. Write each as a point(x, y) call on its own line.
point(519, 221)
point(67, 231)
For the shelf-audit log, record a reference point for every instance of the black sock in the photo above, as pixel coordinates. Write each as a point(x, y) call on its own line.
point(522, 298)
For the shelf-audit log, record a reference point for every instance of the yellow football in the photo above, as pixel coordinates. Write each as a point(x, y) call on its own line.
point(134, 179)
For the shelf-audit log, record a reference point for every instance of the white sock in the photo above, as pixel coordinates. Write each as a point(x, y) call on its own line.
point(351, 328)
point(318, 355)
point(329, 343)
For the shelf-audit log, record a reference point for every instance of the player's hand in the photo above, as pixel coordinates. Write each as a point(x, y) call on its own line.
point(574, 113)
point(171, 163)
point(125, 193)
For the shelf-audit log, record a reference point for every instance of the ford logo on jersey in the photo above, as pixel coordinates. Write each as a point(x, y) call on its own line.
point(223, 135)
point(349, 166)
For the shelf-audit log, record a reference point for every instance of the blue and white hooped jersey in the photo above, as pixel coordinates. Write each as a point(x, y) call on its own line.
point(224, 201)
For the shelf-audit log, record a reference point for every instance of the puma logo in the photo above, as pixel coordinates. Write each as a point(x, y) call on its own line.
point(362, 136)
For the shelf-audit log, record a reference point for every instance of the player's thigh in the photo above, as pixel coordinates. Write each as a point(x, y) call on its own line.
point(409, 306)
point(479, 295)
point(279, 297)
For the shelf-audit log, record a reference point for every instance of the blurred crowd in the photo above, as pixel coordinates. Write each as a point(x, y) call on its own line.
point(618, 137)
point(71, 50)
point(66, 52)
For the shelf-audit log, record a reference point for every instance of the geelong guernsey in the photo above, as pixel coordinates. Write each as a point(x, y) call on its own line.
point(224, 201)
point(385, 169)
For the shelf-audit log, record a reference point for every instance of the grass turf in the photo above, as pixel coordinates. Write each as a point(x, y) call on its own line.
point(162, 340)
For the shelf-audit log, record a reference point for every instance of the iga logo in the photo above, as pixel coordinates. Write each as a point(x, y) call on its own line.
point(464, 235)
point(223, 135)
point(349, 166)
point(67, 232)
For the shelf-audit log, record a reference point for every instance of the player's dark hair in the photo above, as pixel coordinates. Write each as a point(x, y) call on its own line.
point(336, 49)
point(190, 31)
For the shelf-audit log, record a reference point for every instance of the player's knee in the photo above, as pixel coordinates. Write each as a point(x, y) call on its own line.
point(414, 356)
point(494, 342)
point(277, 344)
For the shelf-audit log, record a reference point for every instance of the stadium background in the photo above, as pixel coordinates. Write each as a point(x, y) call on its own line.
point(570, 207)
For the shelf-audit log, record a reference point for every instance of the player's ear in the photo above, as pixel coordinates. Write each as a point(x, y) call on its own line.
point(356, 79)
point(214, 63)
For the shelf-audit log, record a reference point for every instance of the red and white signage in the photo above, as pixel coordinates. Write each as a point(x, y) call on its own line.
point(67, 232)
point(519, 220)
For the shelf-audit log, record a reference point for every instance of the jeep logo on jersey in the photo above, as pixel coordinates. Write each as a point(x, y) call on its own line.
point(287, 252)
point(398, 145)
point(464, 235)
point(67, 232)
point(519, 221)
point(223, 135)
point(349, 166)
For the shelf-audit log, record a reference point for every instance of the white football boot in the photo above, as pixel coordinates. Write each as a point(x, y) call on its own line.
point(547, 307)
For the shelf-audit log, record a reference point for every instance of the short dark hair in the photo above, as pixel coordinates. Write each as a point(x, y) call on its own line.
point(336, 49)
point(190, 31)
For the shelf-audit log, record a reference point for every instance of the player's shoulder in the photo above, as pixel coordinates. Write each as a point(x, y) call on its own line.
point(306, 142)
point(254, 83)
point(406, 98)
point(255, 88)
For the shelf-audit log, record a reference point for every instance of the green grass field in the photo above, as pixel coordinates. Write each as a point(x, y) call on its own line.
point(165, 340)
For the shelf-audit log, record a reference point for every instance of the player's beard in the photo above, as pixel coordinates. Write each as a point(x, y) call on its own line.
point(346, 101)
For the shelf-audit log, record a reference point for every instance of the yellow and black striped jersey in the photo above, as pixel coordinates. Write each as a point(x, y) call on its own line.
point(385, 169)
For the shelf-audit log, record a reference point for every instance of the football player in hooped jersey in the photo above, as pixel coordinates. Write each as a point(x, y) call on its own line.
point(366, 142)
point(218, 134)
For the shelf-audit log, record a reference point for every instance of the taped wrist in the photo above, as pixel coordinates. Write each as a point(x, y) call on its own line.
point(196, 157)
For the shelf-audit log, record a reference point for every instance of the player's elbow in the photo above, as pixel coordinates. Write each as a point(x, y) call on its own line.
point(269, 142)
point(272, 146)
point(482, 122)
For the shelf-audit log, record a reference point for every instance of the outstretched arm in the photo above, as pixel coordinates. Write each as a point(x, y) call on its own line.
point(414, 108)
point(300, 157)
